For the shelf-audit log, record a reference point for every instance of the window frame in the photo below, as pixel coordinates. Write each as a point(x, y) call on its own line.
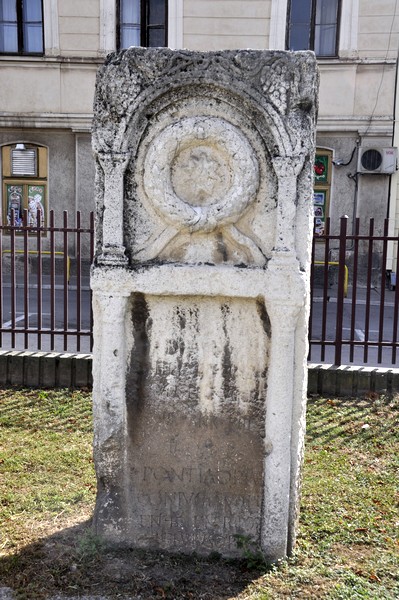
point(145, 27)
point(21, 41)
point(40, 180)
point(312, 30)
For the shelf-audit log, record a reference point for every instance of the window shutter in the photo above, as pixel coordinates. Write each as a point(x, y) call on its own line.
point(24, 162)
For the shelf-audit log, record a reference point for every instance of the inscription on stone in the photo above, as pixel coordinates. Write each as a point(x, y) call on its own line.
point(197, 476)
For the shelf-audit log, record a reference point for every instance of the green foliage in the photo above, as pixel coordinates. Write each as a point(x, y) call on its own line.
point(90, 546)
point(251, 552)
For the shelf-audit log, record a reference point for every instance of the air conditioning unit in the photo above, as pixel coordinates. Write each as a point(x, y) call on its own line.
point(377, 160)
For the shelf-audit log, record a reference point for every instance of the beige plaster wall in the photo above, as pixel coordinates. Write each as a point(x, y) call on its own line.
point(36, 87)
point(226, 24)
point(79, 27)
point(353, 88)
point(378, 29)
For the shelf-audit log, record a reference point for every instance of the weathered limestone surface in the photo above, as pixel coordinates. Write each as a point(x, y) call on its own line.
point(204, 180)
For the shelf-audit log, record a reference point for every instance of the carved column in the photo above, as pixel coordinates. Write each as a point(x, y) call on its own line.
point(284, 299)
point(287, 169)
point(114, 165)
point(109, 403)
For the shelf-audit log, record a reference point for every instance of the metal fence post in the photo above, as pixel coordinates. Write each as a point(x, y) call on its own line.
point(341, 290)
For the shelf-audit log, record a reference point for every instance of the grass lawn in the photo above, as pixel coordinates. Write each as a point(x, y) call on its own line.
point(347, 546)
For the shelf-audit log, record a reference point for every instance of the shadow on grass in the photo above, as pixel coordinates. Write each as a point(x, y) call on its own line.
point(74, 562)
point(358, 421)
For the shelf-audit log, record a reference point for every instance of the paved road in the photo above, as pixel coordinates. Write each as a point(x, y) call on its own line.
point(360, 329)
point(61, 318)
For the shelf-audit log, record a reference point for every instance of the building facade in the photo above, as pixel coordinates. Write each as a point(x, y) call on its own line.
point(50, 51)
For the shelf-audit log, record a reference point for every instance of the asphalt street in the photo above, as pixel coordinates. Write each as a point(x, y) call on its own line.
point(26, 315)
point(365, 326)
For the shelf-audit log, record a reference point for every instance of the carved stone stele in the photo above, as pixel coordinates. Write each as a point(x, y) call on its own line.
point(204, 186)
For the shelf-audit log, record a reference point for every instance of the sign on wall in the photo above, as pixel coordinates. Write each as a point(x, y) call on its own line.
point(321, 192)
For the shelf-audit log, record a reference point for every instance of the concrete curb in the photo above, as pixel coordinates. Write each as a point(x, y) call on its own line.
point(348, 380)
point(45, 369)
point(62, 369)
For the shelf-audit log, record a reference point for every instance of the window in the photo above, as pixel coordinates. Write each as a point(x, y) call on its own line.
point(21, 27)
point(142, 23)
point(24, 168)
point(313, 25)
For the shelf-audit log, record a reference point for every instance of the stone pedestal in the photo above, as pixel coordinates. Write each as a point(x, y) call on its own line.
point(204, 186)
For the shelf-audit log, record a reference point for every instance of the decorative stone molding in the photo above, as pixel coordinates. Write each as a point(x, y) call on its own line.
point(51, 32)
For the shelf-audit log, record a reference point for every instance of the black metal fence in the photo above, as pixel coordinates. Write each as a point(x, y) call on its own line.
point(45, 298)
point(354, 306)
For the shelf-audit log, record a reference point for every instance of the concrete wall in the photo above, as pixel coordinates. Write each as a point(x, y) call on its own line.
point(45, 369)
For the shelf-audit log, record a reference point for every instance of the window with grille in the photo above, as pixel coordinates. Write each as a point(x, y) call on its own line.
point(142, 23)
point(314, 25)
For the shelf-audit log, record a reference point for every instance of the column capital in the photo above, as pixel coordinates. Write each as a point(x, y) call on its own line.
point(288, 166)
point(111, 161)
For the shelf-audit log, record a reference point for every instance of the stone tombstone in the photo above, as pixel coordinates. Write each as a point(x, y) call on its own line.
point(200, 295)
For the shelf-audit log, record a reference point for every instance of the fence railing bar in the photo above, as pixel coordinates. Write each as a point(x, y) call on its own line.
point(395, 310)
point(65, 273)
point(312, 267)
point(325, 287)
point(26, 276)
point(354, 288)
point(13, 279)
point(39, 277)
point(46, 331)
point(44, 229)
point(1, 280)
point(340, 292)
point(91, 262)
point(79, 281)
point(368, 289)
point(361, 238)
point(52, 281)
point(383, 283)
